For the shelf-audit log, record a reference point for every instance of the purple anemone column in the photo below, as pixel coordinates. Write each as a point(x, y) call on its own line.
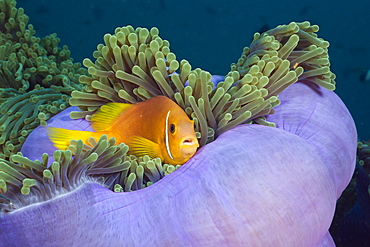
point(253, 186)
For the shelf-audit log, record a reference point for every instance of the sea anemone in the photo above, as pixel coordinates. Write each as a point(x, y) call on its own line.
point(36, 78)
point(254, 185)
point(136, 64)
point(249, 184)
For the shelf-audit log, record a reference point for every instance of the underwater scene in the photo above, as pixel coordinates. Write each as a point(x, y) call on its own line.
point(184, 123)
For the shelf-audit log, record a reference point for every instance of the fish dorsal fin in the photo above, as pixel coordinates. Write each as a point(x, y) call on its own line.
point(104, 118)
point(140, 146)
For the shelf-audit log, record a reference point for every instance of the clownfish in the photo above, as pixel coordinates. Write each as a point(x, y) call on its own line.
point(156, 127)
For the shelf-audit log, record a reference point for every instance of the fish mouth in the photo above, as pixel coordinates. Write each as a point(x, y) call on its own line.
point(188, 146)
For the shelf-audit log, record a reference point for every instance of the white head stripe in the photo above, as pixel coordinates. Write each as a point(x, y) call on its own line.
point(166, 136)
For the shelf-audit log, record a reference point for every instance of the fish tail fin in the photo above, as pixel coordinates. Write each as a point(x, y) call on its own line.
point(61, 137)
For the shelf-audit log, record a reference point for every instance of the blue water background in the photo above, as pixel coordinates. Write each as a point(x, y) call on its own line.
point(211, 34)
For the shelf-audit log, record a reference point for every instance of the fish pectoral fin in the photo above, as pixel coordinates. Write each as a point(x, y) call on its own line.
point(140, 146)
point(104, 118)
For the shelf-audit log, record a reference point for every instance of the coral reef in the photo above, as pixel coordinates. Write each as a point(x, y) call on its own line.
point(36, 78)
point(363, 154)
point(351, 224)
point(136, 64)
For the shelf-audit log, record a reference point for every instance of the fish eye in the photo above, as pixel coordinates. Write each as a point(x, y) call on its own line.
point(172, 128)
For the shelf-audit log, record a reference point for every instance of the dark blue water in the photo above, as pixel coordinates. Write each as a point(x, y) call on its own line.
point(211, 34)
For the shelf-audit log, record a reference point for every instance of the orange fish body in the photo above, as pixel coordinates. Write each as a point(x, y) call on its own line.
point(157, 127)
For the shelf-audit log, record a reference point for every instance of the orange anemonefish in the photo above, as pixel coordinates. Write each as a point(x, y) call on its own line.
point(156, 127)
